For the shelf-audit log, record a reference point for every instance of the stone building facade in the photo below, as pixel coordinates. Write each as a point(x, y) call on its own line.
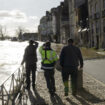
point(72, 19)
point(78, 19)
point(64, 22)
point(56, 23)
point(97, 23)
point(82, 20)
point(45, 27)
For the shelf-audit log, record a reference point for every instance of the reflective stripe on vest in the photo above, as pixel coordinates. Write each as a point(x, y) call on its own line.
point(47, 67)
point(51, 59)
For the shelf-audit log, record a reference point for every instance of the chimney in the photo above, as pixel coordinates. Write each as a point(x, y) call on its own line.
point(47, 13)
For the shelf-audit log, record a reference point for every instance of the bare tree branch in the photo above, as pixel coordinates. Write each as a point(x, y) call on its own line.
point(2, 32)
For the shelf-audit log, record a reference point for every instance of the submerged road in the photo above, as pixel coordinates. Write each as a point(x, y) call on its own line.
point(95, 68)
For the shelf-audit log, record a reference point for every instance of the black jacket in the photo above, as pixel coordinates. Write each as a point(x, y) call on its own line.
point(30, 56)
point(71, 56)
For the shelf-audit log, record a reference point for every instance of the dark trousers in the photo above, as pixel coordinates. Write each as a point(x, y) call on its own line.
point(30, 69)
point(70, 71)
point(49, 76)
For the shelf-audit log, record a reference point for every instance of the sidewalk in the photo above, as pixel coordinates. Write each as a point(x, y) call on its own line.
point(93, 92)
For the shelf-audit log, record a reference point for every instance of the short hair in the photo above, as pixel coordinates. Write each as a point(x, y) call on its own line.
point(48, 43)
point(70, 41)
point(31, 42)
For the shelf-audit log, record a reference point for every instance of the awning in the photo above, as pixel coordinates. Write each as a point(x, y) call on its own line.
point(83, 30)
point(79, 30)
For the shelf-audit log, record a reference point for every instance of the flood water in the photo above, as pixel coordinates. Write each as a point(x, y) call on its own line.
point(11, 54)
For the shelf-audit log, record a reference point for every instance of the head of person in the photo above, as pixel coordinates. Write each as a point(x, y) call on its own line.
point(31, 42)
point(48, 44)
point(70, 41)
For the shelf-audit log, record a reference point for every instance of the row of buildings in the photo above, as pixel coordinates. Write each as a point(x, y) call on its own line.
point(82, 20)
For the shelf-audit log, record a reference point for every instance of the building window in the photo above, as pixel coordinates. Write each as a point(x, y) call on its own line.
point(92, 29)
point(97, 26)
point(104, 4)
point(96, 7)
point(92, 11)
point(104, 25)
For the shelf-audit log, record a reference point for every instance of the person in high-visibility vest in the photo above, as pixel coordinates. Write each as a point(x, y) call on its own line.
point(49, 58)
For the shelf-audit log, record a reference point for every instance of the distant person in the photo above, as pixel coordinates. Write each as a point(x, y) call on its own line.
point(30, 59)
point(70, 58)
point(49, 57)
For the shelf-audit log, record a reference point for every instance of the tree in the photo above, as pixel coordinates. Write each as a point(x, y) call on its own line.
point(19, 32)
point(2, 32)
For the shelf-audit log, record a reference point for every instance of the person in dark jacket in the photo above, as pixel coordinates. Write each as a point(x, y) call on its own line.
point(70, 58)
point(30, 59)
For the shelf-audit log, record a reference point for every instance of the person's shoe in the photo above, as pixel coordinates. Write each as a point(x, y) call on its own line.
point(66, 94)
point(33, 87)
point(54, 90)
point(28, 88)
point(52, 94)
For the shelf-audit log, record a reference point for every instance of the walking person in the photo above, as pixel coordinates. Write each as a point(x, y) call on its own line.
point(49, 57)
point(70, 58)
point(30, 59)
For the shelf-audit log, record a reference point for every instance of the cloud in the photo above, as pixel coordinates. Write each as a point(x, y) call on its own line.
point(33, 17)
point(12, 14)
point(15, 18)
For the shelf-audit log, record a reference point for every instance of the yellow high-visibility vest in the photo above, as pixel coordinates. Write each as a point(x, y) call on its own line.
point(49, 57)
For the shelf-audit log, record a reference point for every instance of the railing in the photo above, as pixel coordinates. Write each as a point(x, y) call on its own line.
point(12, 91)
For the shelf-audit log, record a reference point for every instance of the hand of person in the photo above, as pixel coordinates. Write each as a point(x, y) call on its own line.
point(81, 68)
point(22, 63)
point(36, 44)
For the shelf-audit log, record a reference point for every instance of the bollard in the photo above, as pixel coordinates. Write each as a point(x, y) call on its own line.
point(80, 79)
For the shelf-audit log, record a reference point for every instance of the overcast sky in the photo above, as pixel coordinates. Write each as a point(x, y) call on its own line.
point(24, 13)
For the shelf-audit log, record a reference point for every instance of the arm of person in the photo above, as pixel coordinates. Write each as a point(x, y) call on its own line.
point(80, 59)
point(62, 57)
point(24, 57)
point(36, 44)
point(41, 48)
point(22, 62)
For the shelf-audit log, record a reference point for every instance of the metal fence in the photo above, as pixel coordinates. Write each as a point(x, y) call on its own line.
point(12, 90)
